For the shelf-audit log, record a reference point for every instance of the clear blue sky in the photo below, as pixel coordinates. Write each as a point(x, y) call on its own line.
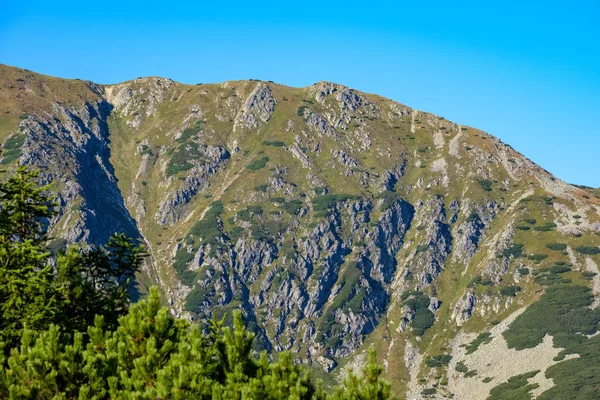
point(527, 72)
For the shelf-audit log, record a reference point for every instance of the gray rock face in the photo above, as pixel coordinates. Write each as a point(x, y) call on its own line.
point(497, 268)
point(464, 308)
point(470, 233)
point(302, 286)
point(390, 178)
point(435, 246)
point(172, 207)
point(91, 206)
point(257, 109)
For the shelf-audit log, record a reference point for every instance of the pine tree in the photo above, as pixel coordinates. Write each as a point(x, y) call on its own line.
point(369, 387)
point(27, 297)
point(97, 282)
point(84, 283)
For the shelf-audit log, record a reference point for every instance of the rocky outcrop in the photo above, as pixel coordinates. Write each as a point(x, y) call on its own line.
point(434, 248)
point(172, 208)
point(258, 108)
point(71, 149)
point(464, 308)
point(469, 234)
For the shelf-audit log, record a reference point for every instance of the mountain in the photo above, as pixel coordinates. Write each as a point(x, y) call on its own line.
point(335, 220)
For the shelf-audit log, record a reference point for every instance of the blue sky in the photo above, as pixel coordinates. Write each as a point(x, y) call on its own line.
point(527, 72)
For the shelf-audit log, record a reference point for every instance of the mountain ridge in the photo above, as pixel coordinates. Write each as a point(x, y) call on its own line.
point(333, 218)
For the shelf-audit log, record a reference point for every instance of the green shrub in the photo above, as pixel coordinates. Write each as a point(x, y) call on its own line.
point(438, 360)
point(273, 143)
point(510, 291)
point(524, 271)
point(292, 207)
point(9, 156)
point(301, 110)
point(193, 300)
point(15, 141)
point(514, 250)
point(483, 338)
point(559, 269)
point(261, 188)
point(557, 246)
point(515, 388)
point(471, 374)
point(538, 257)
point(548, 226)
point(461, 367)
point(485, 184)
point(186, 134)
point(208, 229)
point(320, 190)
point(523, 227)
point(250, 211)
point(588, 250)
point(257, 164)
point(418, 304)
point(180, 161)
point(478, 280)
point(588, 275)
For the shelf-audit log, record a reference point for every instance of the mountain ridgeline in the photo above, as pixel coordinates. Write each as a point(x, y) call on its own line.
point(334, 220)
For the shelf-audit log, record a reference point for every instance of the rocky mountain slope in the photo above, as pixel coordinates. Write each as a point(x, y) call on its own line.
point(334, 219)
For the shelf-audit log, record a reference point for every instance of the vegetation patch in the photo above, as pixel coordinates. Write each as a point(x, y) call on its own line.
point(547, 227)
point(510, 291)
point(537, 257)
point(292, 207)
point(249, 212)
point(461, 367)
point(205, 231)
point(180, 160)
point(515, 250)
point(350, 298)
point(557, 246)
point(273, 143)
point(324, 202)
point(478, 280)
point(438, 361)
point(561, 310)
point(485, 184)
point(11, 150)
point(418, 303)
point(588, 250)
point(261, 188)
point(389, 199)
point(483, 338)
point(517, 387)
point(257, 164)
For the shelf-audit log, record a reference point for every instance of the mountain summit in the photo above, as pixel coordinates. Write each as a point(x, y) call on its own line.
point(335, 220)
